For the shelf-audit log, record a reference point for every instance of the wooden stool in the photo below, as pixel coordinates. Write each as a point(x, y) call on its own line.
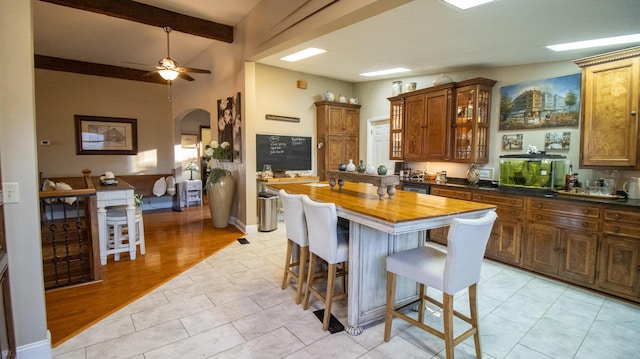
point(119, 234)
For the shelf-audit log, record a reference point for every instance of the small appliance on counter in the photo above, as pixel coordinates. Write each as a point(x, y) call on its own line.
point(535, 171)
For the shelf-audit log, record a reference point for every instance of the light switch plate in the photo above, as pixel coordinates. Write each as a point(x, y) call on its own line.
point(11, 193)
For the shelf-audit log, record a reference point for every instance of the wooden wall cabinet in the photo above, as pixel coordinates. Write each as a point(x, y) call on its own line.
point(337, 127)
point(471, 121)
point(610, 98)
point(426, 126)
point(444, 122)
point(562, 240)
point(396, 130)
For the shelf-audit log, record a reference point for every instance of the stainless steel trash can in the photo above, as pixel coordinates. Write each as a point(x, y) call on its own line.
point(268, 212)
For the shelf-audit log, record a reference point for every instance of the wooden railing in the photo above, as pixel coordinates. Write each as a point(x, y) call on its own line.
point(69, 233)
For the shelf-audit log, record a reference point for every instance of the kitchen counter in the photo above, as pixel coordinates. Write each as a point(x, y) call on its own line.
point(527, 192)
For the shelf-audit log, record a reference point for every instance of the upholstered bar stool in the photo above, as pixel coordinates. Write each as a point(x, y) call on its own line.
point(120, 236)
point(329, 244)
point(296, 230)
point(450, 272)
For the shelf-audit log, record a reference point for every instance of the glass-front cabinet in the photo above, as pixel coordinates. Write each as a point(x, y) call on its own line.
point(471, 121)
point(396, 128)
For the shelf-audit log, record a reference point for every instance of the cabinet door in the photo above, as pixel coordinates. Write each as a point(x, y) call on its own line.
point(578, 256)
point(439, 235)
point(619, 265)
point(541, 252)
point(436, 125)
point(335, 152)
point(351, 148)
point(504, 243)
point(415, 124)
point(350, 122)
point(396, 130)
point(335, 121)
point(609, 127)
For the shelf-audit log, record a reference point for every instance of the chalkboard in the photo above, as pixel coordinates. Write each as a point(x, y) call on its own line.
point(283, 152)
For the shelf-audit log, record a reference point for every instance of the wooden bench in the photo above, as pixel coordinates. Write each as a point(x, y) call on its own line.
point(143, 185)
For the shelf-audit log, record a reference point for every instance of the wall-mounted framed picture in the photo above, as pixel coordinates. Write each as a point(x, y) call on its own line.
point(557, 141)
point(106, 135)
point(512, 142)
point(189, 141)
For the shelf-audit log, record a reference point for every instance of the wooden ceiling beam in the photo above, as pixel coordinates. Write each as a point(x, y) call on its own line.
point(89, 68)
point(154, 16)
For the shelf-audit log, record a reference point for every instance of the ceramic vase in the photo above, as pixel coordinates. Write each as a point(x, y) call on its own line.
point(371, 169)
point(361, 167)
point(382, 170)
point(473, 174)
point(220, 196)
point(342, 167)
point(351, 167)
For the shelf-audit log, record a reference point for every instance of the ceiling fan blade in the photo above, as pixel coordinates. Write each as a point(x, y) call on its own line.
point(197, 71)
point(182, 75)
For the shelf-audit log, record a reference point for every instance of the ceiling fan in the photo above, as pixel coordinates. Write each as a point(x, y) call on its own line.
point(168, 68)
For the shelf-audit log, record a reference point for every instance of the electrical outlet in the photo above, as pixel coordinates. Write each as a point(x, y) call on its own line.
point(11, 193)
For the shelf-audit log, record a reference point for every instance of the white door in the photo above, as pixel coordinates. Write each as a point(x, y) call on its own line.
point(379, 145)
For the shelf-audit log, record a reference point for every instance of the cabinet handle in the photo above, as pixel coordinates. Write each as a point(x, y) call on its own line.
point(539, 205)
point(538, 217)
point(561, 250)
point(616, 215)
point(556, 249)
point(616, 229)
point(585, 224)
point(633, 113)
point(586, 211)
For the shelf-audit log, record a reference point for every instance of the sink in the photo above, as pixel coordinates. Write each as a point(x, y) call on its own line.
point(488, 188)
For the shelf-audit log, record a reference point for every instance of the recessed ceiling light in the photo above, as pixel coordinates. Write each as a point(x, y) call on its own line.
point(385, 72)
point(312, 51)
point(617, 40)
point(467, 4)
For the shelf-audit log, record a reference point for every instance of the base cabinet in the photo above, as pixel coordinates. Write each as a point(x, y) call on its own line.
point(506, 235)
point(562, 240)
point(619, 261)
point(564, 253)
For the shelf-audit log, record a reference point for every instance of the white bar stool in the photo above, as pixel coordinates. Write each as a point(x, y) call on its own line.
point(450, 272)
point(119, 234)
point(296, 226)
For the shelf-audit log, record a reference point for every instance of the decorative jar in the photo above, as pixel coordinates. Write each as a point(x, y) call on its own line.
point(361, 167)
point(382, 170)
point(396, 88)
point(473, 174)
point(351, 167)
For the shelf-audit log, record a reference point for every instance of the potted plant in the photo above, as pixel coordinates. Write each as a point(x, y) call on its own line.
point(220, 184)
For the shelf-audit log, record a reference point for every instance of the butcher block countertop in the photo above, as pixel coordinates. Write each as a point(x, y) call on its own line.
point(363, 199)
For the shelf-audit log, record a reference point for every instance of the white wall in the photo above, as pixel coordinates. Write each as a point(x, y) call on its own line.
point(61, 95)
point(18, 151)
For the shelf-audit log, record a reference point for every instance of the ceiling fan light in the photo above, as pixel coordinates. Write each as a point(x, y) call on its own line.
point(168, 75)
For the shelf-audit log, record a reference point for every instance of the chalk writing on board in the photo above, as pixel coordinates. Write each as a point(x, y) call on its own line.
point(283, 152)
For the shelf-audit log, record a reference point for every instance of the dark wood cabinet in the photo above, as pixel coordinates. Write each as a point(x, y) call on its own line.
point(506, 236)
point(444, 122)
point(619, 259)
point(609, 108)
point(562, 240)
point(427, 125)
point(337, 130)
point(471, 121)
point(396, 130)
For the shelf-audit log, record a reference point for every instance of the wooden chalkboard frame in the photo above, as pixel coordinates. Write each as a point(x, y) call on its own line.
point(284, 152)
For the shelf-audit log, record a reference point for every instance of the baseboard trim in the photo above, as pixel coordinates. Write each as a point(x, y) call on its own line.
point(35, 350)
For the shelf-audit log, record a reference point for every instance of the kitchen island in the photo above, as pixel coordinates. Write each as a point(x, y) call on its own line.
point(377, 229)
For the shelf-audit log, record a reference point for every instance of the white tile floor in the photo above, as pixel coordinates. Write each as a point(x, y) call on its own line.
point(231, 306)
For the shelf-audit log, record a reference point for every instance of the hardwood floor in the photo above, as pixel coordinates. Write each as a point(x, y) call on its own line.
point(175, 241)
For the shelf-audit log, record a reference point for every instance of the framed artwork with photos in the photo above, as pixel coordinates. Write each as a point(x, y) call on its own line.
point(106, 135)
